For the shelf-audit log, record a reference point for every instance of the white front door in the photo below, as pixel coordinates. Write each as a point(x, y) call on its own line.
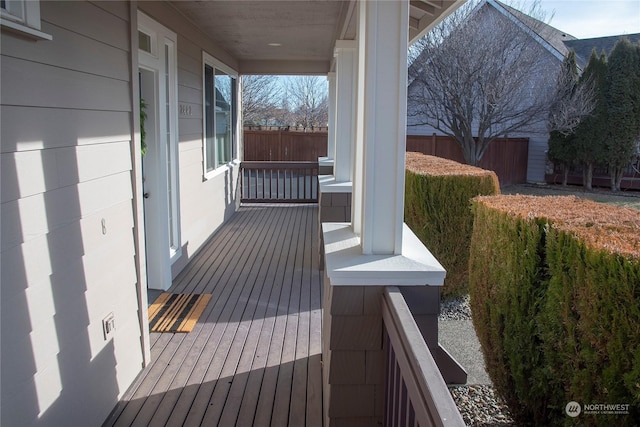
point(158, 92)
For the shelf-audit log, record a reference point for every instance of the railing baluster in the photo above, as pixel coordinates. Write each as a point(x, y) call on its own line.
point(299, 182)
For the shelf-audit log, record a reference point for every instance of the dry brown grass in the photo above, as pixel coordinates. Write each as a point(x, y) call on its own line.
point(612, 228)
point(437, 166)
point(630, 199)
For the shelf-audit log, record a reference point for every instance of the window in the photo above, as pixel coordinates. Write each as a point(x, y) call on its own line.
point(145, 42)
point(22, 16)
point(220, 114)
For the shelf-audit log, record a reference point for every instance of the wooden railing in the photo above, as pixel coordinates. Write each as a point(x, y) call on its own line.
point(415, 392)
point(279, 182)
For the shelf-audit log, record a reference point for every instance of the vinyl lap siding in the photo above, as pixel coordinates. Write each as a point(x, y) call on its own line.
point(67, 218)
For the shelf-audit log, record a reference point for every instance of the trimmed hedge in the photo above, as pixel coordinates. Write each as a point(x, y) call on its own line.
point(437, 208)
point(555, 296)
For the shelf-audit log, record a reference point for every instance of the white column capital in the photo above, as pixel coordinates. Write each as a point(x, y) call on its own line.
point(344, 44)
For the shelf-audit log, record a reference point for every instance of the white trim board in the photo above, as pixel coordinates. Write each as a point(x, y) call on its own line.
point(346, 265)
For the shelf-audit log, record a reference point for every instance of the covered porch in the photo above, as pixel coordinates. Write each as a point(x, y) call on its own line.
point(254, 357)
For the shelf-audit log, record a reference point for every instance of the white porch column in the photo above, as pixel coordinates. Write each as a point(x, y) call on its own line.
point(378, 184)
point(345, 53)
point(331, 132)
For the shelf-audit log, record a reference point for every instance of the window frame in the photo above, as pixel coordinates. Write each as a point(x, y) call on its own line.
point(23, 17)
point(217, 167)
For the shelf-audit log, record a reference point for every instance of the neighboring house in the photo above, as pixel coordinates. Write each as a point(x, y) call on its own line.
point(554, 45)
point(89, 224)
point(583, 47)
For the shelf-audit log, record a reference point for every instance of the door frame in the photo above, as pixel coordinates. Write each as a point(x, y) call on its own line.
point(161, 211)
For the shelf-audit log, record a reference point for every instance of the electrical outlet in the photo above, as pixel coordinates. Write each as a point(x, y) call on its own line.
point(108, 326)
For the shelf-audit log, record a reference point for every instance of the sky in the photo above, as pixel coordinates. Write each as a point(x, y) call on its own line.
point(589, 18)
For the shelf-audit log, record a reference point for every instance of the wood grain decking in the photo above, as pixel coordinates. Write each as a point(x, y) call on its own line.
point(253, 359)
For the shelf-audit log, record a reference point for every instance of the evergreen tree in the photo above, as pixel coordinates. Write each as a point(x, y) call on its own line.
point(563, 144)
point(563, 151)
point(591, 134)
point(623, 105)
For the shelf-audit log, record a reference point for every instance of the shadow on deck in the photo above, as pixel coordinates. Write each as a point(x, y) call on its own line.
point(254, 358)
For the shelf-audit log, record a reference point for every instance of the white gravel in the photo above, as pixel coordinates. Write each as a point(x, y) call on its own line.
point(477, 403)
point(479, 406)
point(455, 309)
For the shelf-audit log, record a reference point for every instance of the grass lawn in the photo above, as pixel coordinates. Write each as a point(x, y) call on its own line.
point(630, 199)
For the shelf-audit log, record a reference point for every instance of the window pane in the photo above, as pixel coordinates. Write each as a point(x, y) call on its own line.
point(144, 41)
point(224, 86)
point(171, 193)
point(14, 8)
point(209, 118)
point(234, 118)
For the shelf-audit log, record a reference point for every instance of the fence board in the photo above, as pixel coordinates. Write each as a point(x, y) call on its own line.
point(284, 146)
point(507, 157)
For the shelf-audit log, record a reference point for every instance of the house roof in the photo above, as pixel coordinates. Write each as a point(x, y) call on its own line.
point(552, 37)
point(562, 42)
point(292, 37)
point(583, 47)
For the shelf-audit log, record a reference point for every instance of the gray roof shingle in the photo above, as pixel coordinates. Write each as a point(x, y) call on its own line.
point(583, 47)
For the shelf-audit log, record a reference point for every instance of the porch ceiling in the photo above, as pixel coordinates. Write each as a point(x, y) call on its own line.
point(305, 31)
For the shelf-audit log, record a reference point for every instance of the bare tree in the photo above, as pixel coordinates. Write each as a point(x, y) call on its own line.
point(309, 96)
point(574, 99)
point(261, 95)
point(479, 75)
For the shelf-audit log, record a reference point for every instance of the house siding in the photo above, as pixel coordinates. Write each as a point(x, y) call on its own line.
point(68, 252)
point(68, 210)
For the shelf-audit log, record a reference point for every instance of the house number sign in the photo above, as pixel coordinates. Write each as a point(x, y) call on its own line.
point(185, 110)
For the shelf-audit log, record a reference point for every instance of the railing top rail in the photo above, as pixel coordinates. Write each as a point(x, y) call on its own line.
point(278, 165)
point(436, 406)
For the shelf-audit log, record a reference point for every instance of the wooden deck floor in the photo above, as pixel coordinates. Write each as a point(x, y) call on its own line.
point(253, 359)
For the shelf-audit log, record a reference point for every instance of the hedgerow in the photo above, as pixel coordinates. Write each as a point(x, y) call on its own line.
point(555, 296)
point(438, 210)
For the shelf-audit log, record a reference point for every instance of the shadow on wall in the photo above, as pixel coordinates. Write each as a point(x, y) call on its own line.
point(51, 372)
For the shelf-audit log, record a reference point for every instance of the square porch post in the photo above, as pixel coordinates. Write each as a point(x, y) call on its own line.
point(325, 164)
point(346, 56)
point(331, 131)
point(335, 190)
point(378, 190)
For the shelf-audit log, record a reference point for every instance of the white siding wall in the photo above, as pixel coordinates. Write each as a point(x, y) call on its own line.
point(67, 218)
point(204, 204)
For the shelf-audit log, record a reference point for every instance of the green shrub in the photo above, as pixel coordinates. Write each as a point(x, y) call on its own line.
point(438, 210)
point(555, 296)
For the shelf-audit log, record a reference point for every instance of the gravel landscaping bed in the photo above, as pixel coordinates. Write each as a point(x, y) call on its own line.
point(478, 404)
point(455, 309)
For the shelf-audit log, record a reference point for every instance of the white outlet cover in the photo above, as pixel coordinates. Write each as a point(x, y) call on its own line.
point(108, 326)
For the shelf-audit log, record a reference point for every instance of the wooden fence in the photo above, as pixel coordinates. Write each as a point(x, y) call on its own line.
point(507, 157)
point(284, 146)
point(601, 177)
